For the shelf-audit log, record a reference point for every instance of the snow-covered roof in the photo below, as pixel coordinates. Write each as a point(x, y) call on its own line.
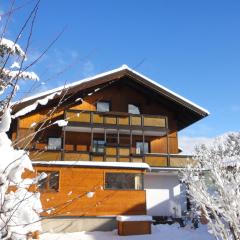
point(94, 164)
point(165, 90)
point(70, 85)
point(169, 91)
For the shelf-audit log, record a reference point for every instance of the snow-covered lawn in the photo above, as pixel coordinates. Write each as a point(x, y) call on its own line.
point(159, 232)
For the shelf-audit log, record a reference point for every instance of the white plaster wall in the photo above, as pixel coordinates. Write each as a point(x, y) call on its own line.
point(164, 195)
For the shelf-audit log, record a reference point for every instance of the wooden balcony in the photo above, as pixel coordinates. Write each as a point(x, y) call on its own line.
point(112, 154)
point(81, 118)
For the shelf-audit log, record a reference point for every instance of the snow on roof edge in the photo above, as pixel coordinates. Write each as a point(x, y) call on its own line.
point(66, 86)
point(94, 164)
point(123, 67)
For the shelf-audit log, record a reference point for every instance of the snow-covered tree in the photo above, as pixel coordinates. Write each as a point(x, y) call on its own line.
point(214, 185)
point(19, 207)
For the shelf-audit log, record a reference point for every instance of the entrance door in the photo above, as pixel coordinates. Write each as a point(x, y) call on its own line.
point(163, 195)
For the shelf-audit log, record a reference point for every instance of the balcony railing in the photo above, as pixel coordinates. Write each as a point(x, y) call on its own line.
point(115, 155)
point(76, 118)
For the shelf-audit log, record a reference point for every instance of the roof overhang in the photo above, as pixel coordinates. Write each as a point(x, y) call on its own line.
point(186, 106)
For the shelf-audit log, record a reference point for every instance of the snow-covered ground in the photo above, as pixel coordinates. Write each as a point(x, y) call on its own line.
point(166, 232)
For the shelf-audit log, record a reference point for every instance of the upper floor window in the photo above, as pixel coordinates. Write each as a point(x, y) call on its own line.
point(50, 183)
point(133, 109)
point(98, 146)
point(124, 181)
point(54, 143)
point(103, 106)
point(142, 148)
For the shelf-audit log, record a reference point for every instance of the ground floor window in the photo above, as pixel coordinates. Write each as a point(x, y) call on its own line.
point(124, 181)
point(50, 183)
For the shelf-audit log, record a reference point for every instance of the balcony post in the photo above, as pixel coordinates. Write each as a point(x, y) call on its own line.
point(130, 145)
point(91, 118)
point(143, 146)
point(91, 144)
point(118, 142)
point(168, 155)
point(63, 144)
point(64, 138)
point(105, 143)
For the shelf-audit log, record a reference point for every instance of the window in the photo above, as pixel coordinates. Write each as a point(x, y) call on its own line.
point(142, 148)
point(50, 183)
point(124, 181)
point(54, 143)
point(98, 146)
point(103, 106)
point(133, 109)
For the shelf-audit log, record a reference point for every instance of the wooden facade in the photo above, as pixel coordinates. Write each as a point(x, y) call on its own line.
point(75, 182)
point(160, 117)
point(156, 125)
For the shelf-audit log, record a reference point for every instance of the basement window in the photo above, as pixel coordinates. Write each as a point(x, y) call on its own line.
point(124, 181)
point(50, 183)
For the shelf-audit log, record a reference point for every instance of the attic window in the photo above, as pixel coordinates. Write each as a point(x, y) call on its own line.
point(103, 106)
point(133, 109)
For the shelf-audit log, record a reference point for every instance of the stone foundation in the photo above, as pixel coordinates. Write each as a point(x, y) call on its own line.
point(77, 224)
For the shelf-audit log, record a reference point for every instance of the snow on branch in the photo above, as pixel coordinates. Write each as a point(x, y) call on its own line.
point(9, 47)
point(5, 121)
point(214, 185)
point(18, 74)
point(19, 208)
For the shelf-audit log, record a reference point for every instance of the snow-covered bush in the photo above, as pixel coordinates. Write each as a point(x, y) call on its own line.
point(19, 208)
point(214, 185)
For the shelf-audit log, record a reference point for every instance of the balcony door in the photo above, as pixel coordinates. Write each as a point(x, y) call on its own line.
point(98, 146)
point(142, 147)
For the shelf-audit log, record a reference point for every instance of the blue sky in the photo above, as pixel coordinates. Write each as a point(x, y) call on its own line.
point(191, 47)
